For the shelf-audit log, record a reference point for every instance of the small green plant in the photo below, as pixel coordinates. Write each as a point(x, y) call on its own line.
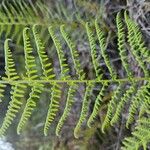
point(130, 89)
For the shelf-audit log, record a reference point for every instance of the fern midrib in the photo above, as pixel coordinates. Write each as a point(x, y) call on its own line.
point(42, 22)
point(136, 79)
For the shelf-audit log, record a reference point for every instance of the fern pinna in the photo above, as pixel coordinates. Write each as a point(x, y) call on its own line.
point(131, 90)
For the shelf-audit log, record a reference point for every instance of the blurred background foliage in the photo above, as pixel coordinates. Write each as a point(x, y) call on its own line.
point(74, 13)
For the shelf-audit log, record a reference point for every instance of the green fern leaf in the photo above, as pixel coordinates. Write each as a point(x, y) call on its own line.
point(31, 73)
point(29, 58)
point(97, 104)
point(102, 42)
point(17, 91)
point(69, 103)
point(30, 105)
point(53, 107)
point(133, 46)
point(46, 66)
point(126, 97)
point(111, 107)
point(144, 52)
point(62, 60)
point(74, 53)
point(121, 45)
point(141, 135)
point(84, 110)
point(10, 71)
point(93, 51)
point(14, 106)
point(137, 100)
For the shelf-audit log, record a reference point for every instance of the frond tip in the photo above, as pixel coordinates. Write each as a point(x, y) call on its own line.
point(53, 106)
point(10, 71)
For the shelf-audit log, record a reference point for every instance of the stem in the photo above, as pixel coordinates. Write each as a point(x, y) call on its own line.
point(136, 79)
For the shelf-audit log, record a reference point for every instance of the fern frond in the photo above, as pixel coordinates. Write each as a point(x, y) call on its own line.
point(62, 60)
point(97, 104)
point(17, 93)
point(74, 53)
point(93, 51)
point(111, 107)
point(31, 72)
point(53, 107)
point(130, 143)
point(136, 102)
point(46, 65)
point(19, 14)
point(30, 64)
point(124, 99)
point(140, 136)
point(30, 105)
point(69, 103)
point(84, 110)
point(121, 45)
point(145, 108)
point(133, 45)
point(56, 91)
point(10, 71)
point(102, 42)
point(143, 51)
